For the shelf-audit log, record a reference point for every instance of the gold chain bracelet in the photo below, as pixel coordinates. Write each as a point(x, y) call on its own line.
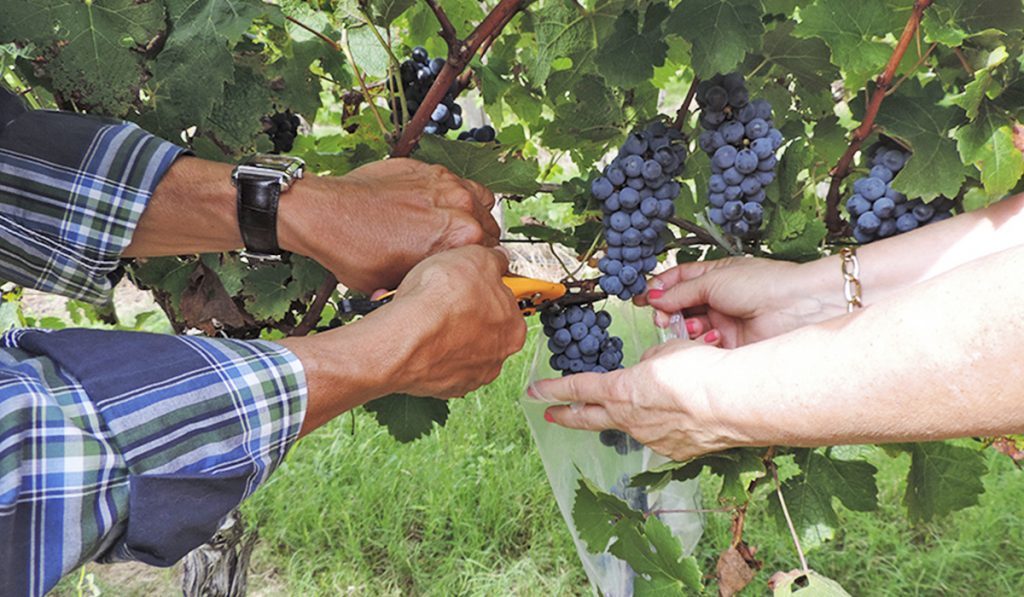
point(851, 278)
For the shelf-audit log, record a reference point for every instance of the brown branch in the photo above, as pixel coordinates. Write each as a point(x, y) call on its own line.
point(683, 111)
point(963, 61)
point(695, 229)
point(882, 84)
point(331, 42)
point(316, 308)
point(448, 33)
point(458, 57)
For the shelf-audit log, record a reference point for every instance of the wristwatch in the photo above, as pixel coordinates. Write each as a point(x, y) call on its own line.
point(260, 180)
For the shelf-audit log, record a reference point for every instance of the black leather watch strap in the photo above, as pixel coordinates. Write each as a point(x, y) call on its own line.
point(258, 199)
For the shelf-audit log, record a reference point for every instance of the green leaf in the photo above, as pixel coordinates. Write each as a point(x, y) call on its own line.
point(165, 274)
point(730, 465)
point(232, 123)
point(406, 417)
point(809, 584)
point(943, 478)
point(950, 22)
point(586, 119)
point(371, 57)
point(10, 315)
point(561, 28)
point(229, 268)
point(490, 164)
point(850, 29)
point(386, 11)
point(270, 291)
point(806, 59)
point(628, 57)
point(654, 552)
point(595, 512)
point(307, 273)
point(90, 50)
point(809, 494)
point(191, 72)
point(914, 116)
point(987, 142)
point(721, 32)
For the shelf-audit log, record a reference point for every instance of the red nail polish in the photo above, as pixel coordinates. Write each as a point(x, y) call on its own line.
point(691, 326)
point(710, 337)
point(548, 417)
point(531, 392)
point(655, 294)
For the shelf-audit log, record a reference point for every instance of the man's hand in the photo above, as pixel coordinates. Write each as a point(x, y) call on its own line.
point(448, 331)
point(372, 225)
point(369, 227)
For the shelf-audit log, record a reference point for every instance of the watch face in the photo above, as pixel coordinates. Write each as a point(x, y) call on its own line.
point(277, 162)
point(284, 168)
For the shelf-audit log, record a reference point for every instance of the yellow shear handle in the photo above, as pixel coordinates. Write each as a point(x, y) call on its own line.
point(529, 292)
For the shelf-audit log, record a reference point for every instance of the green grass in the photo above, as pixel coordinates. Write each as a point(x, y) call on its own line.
point(467, 511)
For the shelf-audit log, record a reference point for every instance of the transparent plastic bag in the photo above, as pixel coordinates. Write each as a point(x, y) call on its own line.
point(568, 452)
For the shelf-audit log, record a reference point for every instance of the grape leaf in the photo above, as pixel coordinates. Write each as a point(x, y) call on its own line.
point(192, 70)
point(386, 11)
point(308, 274)
point(229, 269)
point(406, 417)
point(165, 274)
point(270, 291)
point(655, 553)
point(805, 584)
point(809, 494)
point(90, 49)
point(595, 512)
point(372, 57)
point(490, 164)
point(588, 118)
point(721, 32)
point(628, 57)
point(914, 116)
point(850, 29)
point(988, 143)
point(943, 478)
point(806, 59)
point(544, 233)
point(728, 464)
point(561, 28)
point(950, 22)
point(231, 121)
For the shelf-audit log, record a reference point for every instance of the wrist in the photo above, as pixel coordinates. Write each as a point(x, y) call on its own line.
point(815, 293)
point(350, 366)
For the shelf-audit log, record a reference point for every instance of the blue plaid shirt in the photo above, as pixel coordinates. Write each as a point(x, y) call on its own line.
point(114, 445)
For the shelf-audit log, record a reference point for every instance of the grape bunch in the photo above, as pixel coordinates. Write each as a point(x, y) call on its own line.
point(741, 140)
point(418, 74)
point(282, 128)
point(484, 134)
point(579, 341)
point(620, 440)
point(878, 211)
point(637, 194)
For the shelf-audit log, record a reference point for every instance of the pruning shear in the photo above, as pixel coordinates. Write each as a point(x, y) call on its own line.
point(531, 294)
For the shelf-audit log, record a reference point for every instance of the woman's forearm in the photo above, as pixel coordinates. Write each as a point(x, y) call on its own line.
point(937, 360)
point(895, 263)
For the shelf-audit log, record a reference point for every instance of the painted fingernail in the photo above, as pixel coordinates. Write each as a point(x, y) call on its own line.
point(548, 417)
point(691, 326)
point(532, 393)
point(710, 337)
point(655, 293)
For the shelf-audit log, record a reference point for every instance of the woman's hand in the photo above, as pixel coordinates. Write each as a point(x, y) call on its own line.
point(663, 401)
point(372, 225)
point(742, 300)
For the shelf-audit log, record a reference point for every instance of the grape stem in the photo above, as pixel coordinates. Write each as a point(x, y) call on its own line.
point(324, 38)
point(683, 111)
point(789, 520)
point(702, 234)
point(312, 316)
point(460, 52)
point(362, 82)
point(835, 224)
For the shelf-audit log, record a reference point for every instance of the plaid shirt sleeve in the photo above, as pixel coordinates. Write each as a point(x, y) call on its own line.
point(122, 445)
point(72, 189)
